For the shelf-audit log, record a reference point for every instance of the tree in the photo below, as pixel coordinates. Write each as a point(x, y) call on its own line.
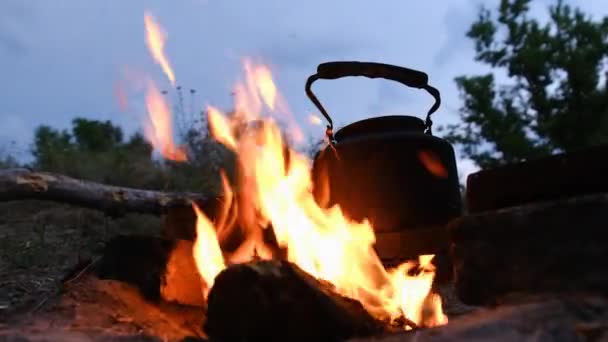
point(556, 97)
point(48, 143)
point(95, 150)
point(95, 136)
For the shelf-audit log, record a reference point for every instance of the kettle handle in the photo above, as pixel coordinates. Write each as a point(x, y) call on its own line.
point(409, 77)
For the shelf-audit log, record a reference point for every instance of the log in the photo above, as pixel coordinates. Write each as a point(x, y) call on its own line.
point(557, 246)
point(22, 184)
point(277, 301)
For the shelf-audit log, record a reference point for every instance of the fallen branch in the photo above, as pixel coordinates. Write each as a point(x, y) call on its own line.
point(22, 184)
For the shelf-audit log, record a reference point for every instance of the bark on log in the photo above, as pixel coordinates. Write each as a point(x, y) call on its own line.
point(276, 301)
point(21, 184)
point(556, 246)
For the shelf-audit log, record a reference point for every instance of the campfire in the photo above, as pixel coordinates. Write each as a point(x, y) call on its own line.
point(273, 197)
point(275, 259)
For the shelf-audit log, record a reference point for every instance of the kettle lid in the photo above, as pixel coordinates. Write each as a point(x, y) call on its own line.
point(381, 124)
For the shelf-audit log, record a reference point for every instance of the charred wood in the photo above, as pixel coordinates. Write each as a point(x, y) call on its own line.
point(22, 184)
point(275, 300)
point(558, 246)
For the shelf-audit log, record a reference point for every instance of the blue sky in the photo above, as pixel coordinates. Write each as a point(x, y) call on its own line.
point(62, 58)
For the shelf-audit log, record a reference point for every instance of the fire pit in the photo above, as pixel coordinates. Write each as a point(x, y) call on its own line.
point(517, 282)
point(290, 253)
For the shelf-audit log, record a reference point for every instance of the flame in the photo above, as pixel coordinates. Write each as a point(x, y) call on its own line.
point(155, 39)
point(220, 127)
point(314, 120)
point(275, 188)
point(159, 131)
point(120, 96)
point(206, 250)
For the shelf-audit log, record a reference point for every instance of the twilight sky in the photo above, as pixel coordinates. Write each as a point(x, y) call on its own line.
point(62, 58)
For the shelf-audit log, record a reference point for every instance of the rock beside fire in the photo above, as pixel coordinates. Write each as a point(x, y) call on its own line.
point(556, 246)
point(275, 300)
point(559, 318)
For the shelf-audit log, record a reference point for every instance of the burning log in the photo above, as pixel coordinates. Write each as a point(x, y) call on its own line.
point(538, 248)
point(21, 184)
point(275, 300)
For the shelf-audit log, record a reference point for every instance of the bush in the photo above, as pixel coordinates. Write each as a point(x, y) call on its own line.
point(96, 151)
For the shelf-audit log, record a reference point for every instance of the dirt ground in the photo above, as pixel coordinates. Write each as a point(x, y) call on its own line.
point(43, 249)
point(42, 243)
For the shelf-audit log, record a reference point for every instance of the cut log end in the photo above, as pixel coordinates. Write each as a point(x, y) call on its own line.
point(275, 300)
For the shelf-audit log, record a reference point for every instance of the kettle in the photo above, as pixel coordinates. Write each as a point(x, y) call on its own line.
point(390, 170)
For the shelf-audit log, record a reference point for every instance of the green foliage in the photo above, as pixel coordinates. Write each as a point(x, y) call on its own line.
point(207, 159)
point(557, 95)
point(94, 136)
point(96, 150)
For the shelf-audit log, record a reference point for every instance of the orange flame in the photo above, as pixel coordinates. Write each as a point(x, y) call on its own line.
point(159, 132)
point(155, 39)
point(275, 183)
point(220, 127)
point(206, 250)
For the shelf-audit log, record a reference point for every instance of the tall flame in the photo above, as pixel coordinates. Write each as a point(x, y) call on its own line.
point(276, 182)
point(159, 132)
point(274, 190)
point(206, 250)
point(155, 39)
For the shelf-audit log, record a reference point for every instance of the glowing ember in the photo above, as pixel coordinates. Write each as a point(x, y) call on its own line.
point(320, 241)
point(155, 38)
point(159, 132)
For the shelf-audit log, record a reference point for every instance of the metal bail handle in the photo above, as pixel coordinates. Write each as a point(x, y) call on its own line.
point(409, 77)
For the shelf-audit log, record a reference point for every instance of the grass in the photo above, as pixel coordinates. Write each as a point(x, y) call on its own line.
point(40, 242)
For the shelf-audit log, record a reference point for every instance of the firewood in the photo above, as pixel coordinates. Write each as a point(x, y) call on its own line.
point(277, 301)
point(22, 184)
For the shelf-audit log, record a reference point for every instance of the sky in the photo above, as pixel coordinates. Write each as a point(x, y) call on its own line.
point(63, 58)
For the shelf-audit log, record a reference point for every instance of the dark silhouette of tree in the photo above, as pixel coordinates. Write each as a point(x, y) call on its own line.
point(556, 98)
point(94, 136)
